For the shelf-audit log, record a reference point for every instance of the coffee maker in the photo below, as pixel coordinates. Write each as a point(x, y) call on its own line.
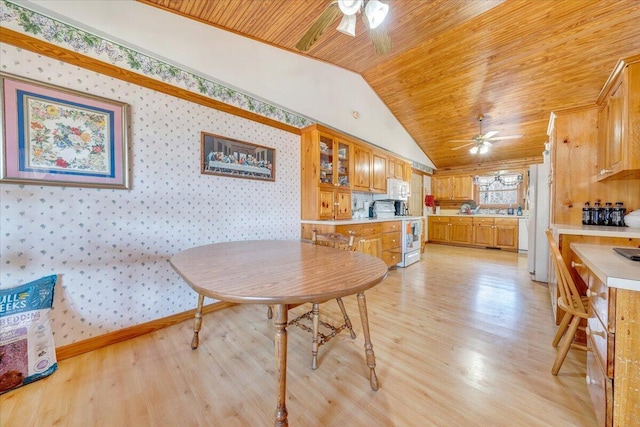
point(401, 208)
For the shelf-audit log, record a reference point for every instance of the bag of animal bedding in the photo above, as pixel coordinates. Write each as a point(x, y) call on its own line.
point(27, 350)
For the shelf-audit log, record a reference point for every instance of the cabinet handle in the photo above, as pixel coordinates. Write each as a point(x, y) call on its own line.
point(605, 171)
point(590, 380)
point(576, 264)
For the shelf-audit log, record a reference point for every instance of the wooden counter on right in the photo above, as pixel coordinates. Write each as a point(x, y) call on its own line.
point(613, 332)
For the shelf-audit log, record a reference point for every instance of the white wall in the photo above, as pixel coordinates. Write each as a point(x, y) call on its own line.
point(111, 247)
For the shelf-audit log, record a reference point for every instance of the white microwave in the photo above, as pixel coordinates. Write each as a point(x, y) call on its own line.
point(397, 189)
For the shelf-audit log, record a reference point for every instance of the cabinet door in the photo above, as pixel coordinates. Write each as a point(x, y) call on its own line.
point(399, 172)
point(362, 169)
point(506, 233)
point(327, 148)
point(439, 229)
point(461, 231)
point(379, 173)
point(342, 165)
point(615, 129)
point(326, 203)
point(391, 167)
point(462, 187)
point(441, 187)
point(343, 205)
point(483, 233)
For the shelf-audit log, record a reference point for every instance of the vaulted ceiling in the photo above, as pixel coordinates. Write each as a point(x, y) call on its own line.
point(513, 61)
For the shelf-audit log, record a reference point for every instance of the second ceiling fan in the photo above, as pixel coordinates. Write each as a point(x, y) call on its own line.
point(482, 142)
point(373, 13)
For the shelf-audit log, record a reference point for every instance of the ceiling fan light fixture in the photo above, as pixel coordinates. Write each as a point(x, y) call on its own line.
point(348, 25)
point(474, 150)
point(484, 149)
point(375, 12)
point(349, 7)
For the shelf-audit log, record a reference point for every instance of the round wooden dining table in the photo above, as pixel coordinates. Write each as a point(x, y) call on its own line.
point(280, 273)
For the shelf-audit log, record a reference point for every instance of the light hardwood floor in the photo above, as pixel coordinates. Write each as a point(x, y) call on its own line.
point(461, 339)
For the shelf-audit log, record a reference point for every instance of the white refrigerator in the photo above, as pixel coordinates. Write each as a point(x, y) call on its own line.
point(538, 200)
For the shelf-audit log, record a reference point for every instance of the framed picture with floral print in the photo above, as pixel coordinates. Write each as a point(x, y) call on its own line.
point(57, 136)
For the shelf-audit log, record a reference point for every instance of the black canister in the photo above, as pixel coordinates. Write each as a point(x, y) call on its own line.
point(608, 211)
point(617, 215)
point(586, 214)
point(597, 214)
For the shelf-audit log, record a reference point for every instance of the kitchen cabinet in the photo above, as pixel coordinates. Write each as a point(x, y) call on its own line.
point(487, 232)
point(326, 163)
point(461, 230)
point(452, 187)
point(483, 232)
point(619, 121)
point(391, 242)
point(389, 233)
point(378, 172)
point(370, 170)
point(438, 229)
point(398, 168)
point(613, 326)
point(496, 233)
point(362, 168)
point(334, 204)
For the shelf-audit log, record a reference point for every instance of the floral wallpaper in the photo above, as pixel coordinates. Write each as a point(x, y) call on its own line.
point(21, 19)
point(111, 248)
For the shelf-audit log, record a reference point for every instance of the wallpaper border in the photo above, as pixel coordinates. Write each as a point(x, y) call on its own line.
point(54, 31)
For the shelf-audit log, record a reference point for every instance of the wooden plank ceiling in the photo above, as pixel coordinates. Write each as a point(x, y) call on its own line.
point(514, 61)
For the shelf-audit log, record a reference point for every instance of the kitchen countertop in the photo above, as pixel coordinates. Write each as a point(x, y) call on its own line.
point(595, 230)
point(611, 268)
point(357, 220)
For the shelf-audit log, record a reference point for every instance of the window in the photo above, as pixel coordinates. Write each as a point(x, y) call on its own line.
point(498, 190)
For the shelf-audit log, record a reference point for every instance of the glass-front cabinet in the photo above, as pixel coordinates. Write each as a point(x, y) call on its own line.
point(335, 161)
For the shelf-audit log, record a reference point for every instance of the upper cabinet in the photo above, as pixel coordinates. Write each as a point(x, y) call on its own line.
point(326, 174)
point(333, 165)
point(370, 170)
point(398, 168)
point(619, 123)
point(452, 187)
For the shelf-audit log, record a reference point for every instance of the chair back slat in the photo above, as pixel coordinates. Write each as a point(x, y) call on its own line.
point(334, 240)
point(569, 294)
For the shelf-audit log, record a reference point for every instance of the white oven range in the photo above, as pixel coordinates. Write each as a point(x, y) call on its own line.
point(411, 236)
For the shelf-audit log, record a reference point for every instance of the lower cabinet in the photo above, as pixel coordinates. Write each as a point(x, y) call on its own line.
point(613, 358)
point(389, 233)
point(391, 242)
point(438, 229)
point(486, 232)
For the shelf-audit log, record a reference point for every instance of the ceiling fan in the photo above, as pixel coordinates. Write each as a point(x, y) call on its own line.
point(373, 13)
point(482, 142)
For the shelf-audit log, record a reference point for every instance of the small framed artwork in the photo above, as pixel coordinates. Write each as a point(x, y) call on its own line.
point(56, 136)
point(229, 157)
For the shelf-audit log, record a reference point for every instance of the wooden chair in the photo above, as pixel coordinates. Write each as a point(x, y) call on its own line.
point(574, 305)
point(337, 241)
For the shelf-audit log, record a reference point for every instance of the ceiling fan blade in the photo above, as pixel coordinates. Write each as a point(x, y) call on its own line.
point(379, 37)
point(462, 146)
point(489, 134)
point(462, 140)
point(500, 138)
point(329, 15)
